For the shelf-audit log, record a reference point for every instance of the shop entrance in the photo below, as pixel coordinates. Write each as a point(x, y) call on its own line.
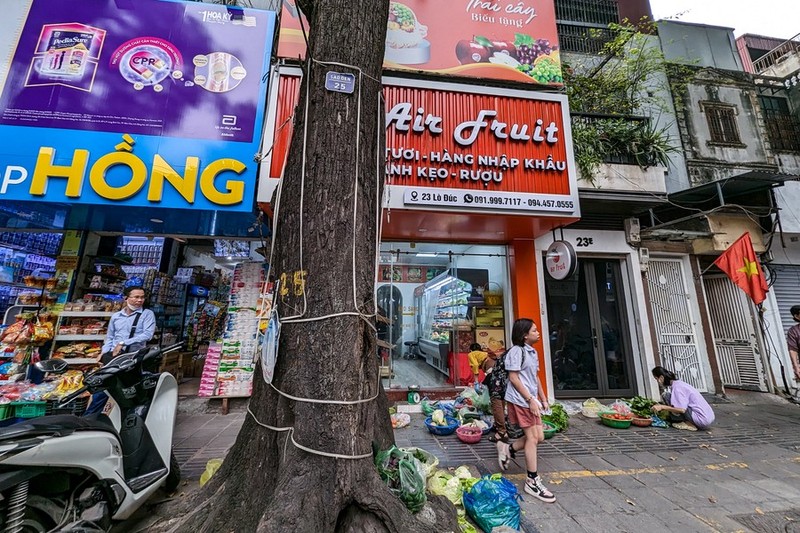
point(440, 299)
point(589, 345)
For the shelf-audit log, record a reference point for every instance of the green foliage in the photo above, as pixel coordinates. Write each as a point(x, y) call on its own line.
point(626, 79)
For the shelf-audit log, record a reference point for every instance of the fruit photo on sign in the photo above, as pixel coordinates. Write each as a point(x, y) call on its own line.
point(483, 50)
point(535, 58)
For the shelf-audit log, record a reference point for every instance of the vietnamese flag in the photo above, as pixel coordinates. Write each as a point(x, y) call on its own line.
point(739, 262)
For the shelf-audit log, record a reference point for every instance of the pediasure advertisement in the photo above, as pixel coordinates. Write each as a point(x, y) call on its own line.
point(513, 40)
point(153, 103)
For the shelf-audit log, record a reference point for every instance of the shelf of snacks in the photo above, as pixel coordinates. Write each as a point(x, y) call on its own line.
point(86, 314)
point(96, 304)
point(24, 257)
point(24, 399)
point(20, 342)
point(78, 351)
point(107, 271)
point(80, 337)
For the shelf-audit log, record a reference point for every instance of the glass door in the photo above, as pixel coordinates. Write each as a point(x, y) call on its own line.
point(590, 350)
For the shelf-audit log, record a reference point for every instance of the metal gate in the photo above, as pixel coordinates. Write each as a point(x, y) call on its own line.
point(674, 323)
point(786, 285)
point(735, 340)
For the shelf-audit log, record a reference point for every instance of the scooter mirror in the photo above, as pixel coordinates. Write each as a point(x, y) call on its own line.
point(53, 366)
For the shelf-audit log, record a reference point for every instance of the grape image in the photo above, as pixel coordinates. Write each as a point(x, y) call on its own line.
point(534, 56)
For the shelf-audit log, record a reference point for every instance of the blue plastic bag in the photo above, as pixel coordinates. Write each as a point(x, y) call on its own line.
point(492, 503)
point(658, 422)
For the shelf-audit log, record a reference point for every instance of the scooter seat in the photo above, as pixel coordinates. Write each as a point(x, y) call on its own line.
point(56, 426)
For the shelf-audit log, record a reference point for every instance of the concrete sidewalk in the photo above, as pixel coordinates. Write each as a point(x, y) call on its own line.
point(743, 475)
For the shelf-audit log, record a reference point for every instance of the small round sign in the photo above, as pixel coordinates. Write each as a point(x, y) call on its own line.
point(560, 261)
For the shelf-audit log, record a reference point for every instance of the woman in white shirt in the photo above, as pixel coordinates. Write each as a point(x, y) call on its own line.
point(526, 401)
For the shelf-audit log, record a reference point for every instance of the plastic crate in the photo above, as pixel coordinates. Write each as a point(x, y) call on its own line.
point(6, 411)
point(29, 409)
point(76, 407)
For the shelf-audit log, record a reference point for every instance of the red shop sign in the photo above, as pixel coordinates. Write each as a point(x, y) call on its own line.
point(466, 148)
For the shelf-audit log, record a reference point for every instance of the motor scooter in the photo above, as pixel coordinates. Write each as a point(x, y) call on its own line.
point(71, 473)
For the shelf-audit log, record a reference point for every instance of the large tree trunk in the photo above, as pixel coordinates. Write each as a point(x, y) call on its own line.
point(335, 169)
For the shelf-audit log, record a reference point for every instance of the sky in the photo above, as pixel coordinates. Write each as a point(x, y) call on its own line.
point(772, 18)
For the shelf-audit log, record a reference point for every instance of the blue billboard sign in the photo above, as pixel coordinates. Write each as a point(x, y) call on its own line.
point(153, 103)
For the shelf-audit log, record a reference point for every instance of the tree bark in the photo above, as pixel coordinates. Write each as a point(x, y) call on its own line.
point(325, 233)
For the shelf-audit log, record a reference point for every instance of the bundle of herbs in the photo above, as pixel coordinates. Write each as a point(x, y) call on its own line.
point(641, 406)
point(558, 417)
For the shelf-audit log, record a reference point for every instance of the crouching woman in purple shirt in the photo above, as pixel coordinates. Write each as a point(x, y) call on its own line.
point(683, 405)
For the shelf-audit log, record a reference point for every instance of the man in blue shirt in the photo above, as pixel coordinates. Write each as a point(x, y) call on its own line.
point(128, 331)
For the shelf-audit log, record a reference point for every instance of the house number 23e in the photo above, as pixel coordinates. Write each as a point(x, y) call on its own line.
point(584, 242)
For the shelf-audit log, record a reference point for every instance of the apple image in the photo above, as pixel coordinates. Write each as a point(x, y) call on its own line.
point(469, 52)
point(503, 47)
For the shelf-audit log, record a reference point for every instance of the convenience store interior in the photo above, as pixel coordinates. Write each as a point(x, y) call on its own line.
point(73, 281)
point(439, 299)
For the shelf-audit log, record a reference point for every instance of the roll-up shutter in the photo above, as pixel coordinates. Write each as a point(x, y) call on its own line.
point(787, 291)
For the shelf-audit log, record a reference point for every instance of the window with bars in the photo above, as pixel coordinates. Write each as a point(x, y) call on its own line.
point(783, 129)
point(583, 24)
point(722, 124)
point(597, 12)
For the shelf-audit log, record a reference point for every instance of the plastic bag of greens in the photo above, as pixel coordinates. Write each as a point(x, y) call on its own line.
point(404, 475)
point(442, 483)
point(483, 402)
point(428, 407)
point(478, 400)
point(492, 502)
point(428, 461)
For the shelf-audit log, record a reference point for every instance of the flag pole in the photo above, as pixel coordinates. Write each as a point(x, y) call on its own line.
point(762, 326)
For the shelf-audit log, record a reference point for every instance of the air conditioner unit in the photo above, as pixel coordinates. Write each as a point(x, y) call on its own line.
point(632, 231)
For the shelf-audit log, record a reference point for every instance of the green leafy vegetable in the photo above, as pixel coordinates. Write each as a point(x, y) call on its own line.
point(559, 418)
point(641, 406)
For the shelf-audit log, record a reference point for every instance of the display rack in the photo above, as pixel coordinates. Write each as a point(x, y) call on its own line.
point(443, 303)
point(230, 374)
point(105, 276)
point(93, 338)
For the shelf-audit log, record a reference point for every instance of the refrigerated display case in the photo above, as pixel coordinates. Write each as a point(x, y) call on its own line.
point(442, 305)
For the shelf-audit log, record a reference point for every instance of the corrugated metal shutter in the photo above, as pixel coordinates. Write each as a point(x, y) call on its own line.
point(731, 314)
point(787, 291)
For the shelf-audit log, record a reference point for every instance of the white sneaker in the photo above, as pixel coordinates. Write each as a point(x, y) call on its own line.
point(536, 488)
point(503, 454)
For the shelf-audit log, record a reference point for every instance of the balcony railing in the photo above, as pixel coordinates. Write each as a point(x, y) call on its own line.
point(596, 12)
point(777, 54)
point(619, 134)
point(583, 39)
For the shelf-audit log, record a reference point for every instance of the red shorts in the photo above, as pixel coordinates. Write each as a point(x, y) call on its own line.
point(522, 416)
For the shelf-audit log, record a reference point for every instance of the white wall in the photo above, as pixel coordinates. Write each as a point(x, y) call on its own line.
point(788, 198)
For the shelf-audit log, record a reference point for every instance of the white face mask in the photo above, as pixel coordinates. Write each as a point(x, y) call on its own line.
point(132, 308)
